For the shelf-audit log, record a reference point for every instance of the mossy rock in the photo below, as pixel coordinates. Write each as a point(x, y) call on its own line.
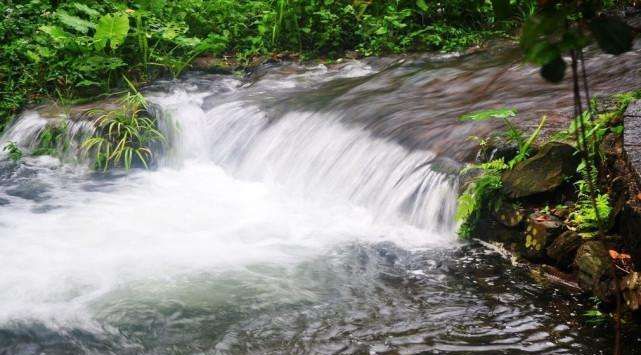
point(543, 172)
point(593, 265)
point(563, 249)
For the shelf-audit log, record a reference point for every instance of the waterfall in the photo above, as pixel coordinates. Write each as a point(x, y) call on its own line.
point(249, 177)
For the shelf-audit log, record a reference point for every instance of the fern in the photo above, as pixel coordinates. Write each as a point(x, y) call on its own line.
point(585, 216)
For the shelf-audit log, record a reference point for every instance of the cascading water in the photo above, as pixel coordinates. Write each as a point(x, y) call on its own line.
point(301, 210)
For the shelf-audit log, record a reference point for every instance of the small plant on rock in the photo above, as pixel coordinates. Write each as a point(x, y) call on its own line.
point(52, 140)
point(123, 137)
point(484, 190)
point(15, 154)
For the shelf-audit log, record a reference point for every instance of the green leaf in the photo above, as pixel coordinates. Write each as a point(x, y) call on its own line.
point(74, 22)
point(554, 71)
point(112, 29)
point(56, 33)
point(613, 35)
point(381, 31)
point(488, 114)
point(173, 30)
point(86, 9)
point(422, 5)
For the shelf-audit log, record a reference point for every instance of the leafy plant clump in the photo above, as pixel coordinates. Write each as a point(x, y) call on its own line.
point(481, 194)
point(52, 140)
point(14, 152)
point(124, 137)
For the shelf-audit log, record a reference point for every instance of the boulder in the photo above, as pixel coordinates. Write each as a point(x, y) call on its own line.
point(490, 230)
point(563, 248)
point(540, 231)
point(631, 290)
point(543, 172)
point(593, 265)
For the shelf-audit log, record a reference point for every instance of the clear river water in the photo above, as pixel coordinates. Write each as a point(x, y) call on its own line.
point(297, 210)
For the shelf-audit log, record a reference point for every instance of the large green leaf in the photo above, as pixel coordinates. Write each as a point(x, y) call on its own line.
point(488, 114)
point(112, 29)
point(57, 34)
point(74, 22)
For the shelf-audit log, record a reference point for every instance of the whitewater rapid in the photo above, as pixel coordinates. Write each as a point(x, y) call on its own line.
point(236, 189)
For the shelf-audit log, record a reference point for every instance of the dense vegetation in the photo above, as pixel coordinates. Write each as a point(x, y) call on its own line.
point(69, 50)
point(74, 49)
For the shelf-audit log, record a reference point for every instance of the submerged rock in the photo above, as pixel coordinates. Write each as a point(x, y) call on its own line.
point(593, 264)
point(543, 172)
point(563, 248)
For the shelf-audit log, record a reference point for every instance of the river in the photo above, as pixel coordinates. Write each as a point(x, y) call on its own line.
point(297, 210)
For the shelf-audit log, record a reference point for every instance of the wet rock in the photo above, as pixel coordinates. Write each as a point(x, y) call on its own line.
point(4, 201)
point(509, 215)
point(446, 166)
point(213, 65)
point(632, 137)
point(468, 176)
point(593, 265)
point(563, 248)
point(488, 229)
point(30, 190)
point(539, 233)
point(541, 173)
point(631, 289)
point(498, 149)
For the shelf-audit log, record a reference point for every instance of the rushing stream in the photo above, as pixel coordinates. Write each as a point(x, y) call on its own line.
point(298, 210)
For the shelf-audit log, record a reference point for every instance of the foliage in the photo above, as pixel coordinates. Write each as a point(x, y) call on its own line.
point(15, 154)
point(512, 133)
point(585, 215)
point(82, 48)
point(123, 137)
point(52, 140)
point(112, 29)
point(483, 191)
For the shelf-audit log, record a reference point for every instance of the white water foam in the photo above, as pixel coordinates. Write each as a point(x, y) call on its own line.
point(236, 190)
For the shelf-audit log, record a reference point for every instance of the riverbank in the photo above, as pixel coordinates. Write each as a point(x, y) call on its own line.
point(539, 210)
